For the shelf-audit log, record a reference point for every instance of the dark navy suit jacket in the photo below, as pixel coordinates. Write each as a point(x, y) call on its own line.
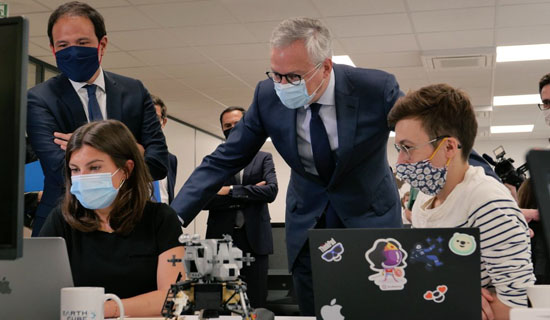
point(362, 189)
point(54, 106)
point(252, 200)
point(172, 172)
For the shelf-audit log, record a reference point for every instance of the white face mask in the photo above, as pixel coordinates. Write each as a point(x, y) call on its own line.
point(546, 116)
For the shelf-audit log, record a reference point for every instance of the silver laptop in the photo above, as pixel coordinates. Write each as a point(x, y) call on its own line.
point(30, 286)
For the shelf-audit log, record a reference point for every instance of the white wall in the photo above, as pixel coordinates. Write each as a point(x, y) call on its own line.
point(191, 145)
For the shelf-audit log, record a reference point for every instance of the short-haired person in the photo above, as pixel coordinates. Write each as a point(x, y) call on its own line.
point(240, 210)
point(435, 129)
point(166, 185)
point(83, 93)
point(544, 91)
point(116, 237)
point(328, 122)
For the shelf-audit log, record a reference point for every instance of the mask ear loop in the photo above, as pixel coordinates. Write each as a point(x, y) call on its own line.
point(436, 149)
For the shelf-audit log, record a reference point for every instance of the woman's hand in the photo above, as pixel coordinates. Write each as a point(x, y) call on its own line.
point(486, 310)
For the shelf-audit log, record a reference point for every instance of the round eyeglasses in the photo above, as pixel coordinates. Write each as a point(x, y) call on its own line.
point(291, 78)
point(545, 105)
point(407, 149)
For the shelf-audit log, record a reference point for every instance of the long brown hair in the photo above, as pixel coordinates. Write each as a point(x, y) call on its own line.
point(526, 195)
point(113, 138)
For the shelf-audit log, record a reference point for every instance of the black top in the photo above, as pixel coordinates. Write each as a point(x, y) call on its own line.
point(123, 265)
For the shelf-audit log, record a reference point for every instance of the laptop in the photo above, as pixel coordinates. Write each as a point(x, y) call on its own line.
point(538, 162)
point(30, 286)
point(396, 273)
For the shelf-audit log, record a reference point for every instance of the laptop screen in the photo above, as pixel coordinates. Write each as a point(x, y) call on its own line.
point(538, 162)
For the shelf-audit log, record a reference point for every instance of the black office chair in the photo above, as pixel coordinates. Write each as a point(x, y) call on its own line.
point(281, 298)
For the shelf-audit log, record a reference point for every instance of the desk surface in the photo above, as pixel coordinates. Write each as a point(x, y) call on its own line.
point(228, 318)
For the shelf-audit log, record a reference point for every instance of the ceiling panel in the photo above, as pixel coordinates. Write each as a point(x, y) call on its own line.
point(25, 7)
point(52, 4)
point(126, 18)
point(359, 26)
point(456, 39)
point(451, 20)
point(213, 34)
point(429, 5)
point(172, 56)
point(521, 35)
point(195, 13)
point(144, 39)
point(519, 77)
point(387, 60)
point(258, 11)
point(523, 15)
point(330, 8)
point(239, 52)
point(377, 44)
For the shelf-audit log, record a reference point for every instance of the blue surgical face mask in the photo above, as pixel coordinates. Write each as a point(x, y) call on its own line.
point(78, 63)
point(295, 96)
point(95, 190)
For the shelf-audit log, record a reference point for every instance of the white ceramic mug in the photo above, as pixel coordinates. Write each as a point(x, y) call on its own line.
point(85, 303)
point(539, 295)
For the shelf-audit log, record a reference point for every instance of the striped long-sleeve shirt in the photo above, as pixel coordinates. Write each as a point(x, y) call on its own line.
point(481, 202)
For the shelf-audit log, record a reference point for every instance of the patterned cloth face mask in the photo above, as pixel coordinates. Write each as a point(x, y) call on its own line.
point(423, 175)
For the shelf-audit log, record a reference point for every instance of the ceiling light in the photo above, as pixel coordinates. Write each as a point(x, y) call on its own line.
point(516, 100)
point(343, 60)
point(523, 53)
point(512, 129)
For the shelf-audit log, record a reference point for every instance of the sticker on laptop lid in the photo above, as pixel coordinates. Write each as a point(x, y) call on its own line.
point(387, 258)
point(427, 252)
point(438, 295)
point(462, 244)
point(332, 250)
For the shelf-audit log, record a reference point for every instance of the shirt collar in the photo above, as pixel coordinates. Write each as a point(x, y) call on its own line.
point(327, 98)
point(99, 81)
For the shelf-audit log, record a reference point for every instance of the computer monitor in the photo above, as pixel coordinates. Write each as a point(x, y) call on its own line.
point(538, 162)
point(13, 118)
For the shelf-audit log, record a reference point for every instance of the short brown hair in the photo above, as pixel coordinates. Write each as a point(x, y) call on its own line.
point(163, 108)
point(443, 111)
point(115, 139)
point(545, 80)
point(79, 9)
point(526, 195)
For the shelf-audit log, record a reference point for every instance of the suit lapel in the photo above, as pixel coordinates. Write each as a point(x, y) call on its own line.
point(346, 117)
point(72, 102)
point(114, 98)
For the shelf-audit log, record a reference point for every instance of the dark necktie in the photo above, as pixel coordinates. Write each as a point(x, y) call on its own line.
point(322, 154)
point(324, 160)
point(94, 113)
point(239, 216)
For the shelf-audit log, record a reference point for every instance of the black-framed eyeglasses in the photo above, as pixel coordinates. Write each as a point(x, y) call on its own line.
point(407, 149)
point(545, 105)
point(291, 78)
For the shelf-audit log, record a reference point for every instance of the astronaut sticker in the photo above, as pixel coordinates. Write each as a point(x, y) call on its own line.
point(438, 295)
point(462, 244)
point(332, 250)
point(427, 252)
point(387, 258)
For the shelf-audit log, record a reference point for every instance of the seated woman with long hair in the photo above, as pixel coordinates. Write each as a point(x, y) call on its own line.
point(116, 237)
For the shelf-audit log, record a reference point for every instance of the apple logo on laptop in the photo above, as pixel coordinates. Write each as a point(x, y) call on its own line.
point(5, 286)
point(332, 311)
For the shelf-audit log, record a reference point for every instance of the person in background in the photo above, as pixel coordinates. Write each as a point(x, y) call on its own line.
point(526, 199)
point(406, 212)
point(328, 122)
point(165, 186)
point(240, 210)
point(83, 93)
point(435, 129)
point(116, 237)
point(544, 91)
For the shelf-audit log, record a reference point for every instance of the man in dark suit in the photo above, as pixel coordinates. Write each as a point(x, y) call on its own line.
point(240, 209)
point(166, 185)
point(329, 124)
point(83, 93)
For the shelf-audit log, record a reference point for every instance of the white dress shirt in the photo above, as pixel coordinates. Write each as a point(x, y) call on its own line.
point(327, 112)
point(100, 94)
